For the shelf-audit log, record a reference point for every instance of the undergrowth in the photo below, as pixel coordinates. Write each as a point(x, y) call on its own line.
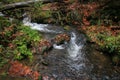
point(108, 41)
point(16, 41)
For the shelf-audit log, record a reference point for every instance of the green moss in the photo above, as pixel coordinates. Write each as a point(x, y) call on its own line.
point(67, 27)
point(116, 59)
point(41, 16)
point(108, 42)
point(111, 46)
point(3, 61)
point(2, 21)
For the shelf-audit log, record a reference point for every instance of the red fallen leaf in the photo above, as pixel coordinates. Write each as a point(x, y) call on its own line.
point(35, 75)
point(25, 71)
point(2, 33)
point(11, 45)
point(43, 46)
point(79, 27)
point(44, 43)
point(18, 69)
point(86, 13)
point(84, 19)
point(61, 37)
point(75, 22)
point(15, 68)
point(87, 23)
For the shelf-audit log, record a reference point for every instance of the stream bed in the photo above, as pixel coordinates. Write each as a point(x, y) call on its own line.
point(73, 60)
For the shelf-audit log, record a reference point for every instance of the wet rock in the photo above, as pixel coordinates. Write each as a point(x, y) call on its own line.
point(44, 46)
point(105, 78)
point(61, 38)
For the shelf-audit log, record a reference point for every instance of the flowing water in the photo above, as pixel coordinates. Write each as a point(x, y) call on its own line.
point(74, 60)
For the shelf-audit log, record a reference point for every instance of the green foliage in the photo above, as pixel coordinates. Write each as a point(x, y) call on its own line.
point(15, 13)
point(24, 42)
point(33, 35)
point(111, 45)
point(42, 16)
point(22, 52)
point(108, 41)
point(116, 59)
point(40, 78)
point(37, 5)
point(16, 41)
point(62, 17)
point(2, 61)
point(38, 15)
point(4, 20)
point(110, 11)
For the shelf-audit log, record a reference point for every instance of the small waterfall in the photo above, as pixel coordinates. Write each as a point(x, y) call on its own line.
point(40, 27)
point(74, 49)
point(76, 58)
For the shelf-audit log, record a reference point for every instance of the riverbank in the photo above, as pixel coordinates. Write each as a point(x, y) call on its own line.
point(19, 42)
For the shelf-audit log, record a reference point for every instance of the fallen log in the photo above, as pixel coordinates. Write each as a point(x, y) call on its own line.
point(23, 4)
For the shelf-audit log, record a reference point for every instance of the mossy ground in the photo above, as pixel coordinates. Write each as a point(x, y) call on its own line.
point(17, 40)
point(107, 39)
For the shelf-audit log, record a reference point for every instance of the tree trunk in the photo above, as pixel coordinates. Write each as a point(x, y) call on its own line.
point(22, 4)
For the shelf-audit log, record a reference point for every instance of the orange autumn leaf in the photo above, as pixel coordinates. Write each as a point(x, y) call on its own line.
point(18, 69)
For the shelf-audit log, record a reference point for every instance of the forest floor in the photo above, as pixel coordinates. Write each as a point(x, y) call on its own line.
point(85, 17)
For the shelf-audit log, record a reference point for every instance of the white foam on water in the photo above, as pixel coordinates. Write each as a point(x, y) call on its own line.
point(1, 14)
point(74, 49)
point(58, 46)
point(36, 26)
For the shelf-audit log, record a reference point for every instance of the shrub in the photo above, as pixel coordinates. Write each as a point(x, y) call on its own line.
point(112, 44)
point(108, 40)
point(17, 40)
point(4, 20)
point(25, 42)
